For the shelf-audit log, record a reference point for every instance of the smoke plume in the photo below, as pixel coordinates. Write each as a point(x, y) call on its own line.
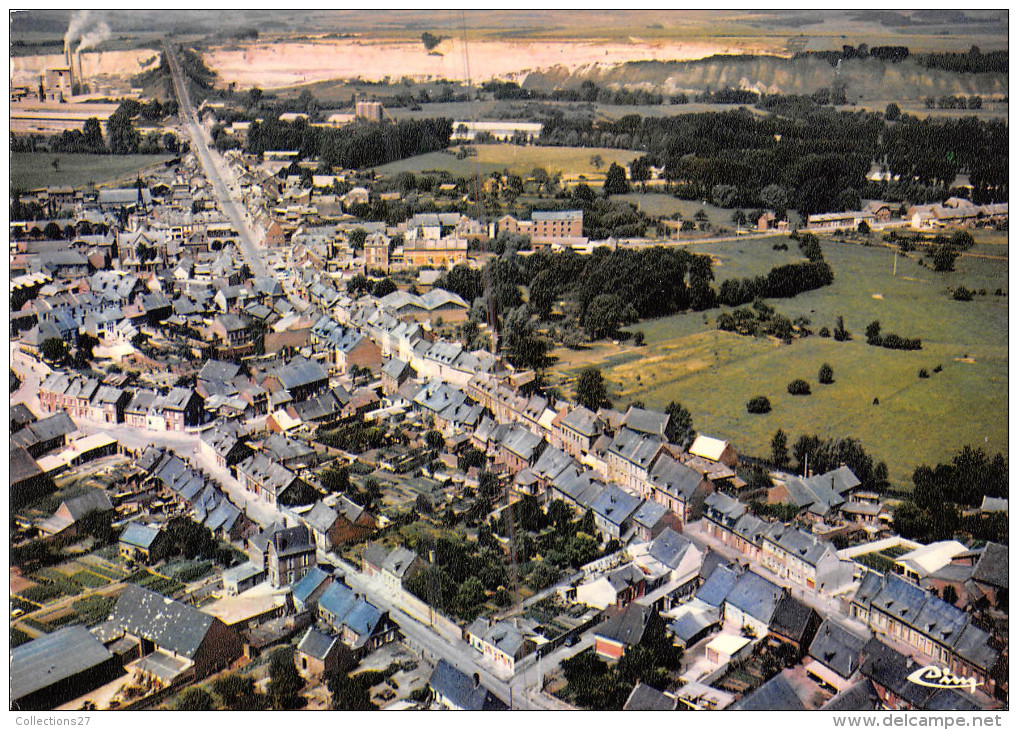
point(85, 28)
point(79, 21)
point(94, 37)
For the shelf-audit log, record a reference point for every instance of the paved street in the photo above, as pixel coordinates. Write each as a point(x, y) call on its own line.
point(521, 688)
point(32, 373)
point(215, 170)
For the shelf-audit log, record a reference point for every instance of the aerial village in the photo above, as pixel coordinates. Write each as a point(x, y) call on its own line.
point(221, 448)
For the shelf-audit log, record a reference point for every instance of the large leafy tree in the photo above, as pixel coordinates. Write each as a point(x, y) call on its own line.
point(591, 390)
point(779, 449)
point(615, 182)
point(285, 683)
point(605, 314)
point(680, 425)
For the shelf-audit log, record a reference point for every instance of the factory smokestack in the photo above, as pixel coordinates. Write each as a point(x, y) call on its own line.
point(69, 62)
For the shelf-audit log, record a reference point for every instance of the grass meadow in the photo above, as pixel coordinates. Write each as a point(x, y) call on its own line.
point(917, 420)
point(518, 159)
point(30, 170)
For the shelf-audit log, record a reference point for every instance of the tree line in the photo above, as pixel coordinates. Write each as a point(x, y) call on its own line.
point(363, 144)
point(121, 138)
point(818, 159)
point(933, 510)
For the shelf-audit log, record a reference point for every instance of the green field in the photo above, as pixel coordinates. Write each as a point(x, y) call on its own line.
point(663, 205)
point(31, 170)
point(714, 373)
point(518, 159)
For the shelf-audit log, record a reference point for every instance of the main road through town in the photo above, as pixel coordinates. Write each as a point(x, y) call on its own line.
point(216, 169)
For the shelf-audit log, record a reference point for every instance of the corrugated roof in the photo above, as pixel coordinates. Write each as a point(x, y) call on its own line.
point(53, 658)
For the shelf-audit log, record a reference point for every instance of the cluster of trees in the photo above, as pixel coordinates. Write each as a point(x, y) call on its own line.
point(934, 153)
point(379, 288)
point(610, 289)
point(762, 319)
point(783, 281)
point(820, 157)
point(953, 102)
point(188, 539)
point(975, 61)
point(355, 436)
point(823, 455)
point(655, 282)
point(555, 536)
point(593, 685)
point(588, 92)
point(364, 144)
point(890, 341)
point(461, 576)
point(931, 512)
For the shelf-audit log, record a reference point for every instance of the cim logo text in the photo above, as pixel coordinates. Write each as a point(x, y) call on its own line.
point(942, 678)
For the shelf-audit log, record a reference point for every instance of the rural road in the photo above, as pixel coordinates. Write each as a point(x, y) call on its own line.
point(215, 170)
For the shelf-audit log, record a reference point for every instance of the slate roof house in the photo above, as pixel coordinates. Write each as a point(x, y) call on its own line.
point(799, 556)
point(360, 625)
point(310, 588)
point(835, 656)
point(622, 631)
point(28, 481)
point(179, 642)
point(44, 435)
point(333, 526)
point(891, 606)
point(319, 653)
point(399, 565)
point(888, 670)
point(794, 623)
point(457, 691)
point(143, 543)
point(290, 555)
point(64, 521)
point(990, 575)
point(502, 642)
point(777, 693)
point(577, 431)
point(678, 487)
point(752, 602)
point(646, 698)
point(268, 479)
